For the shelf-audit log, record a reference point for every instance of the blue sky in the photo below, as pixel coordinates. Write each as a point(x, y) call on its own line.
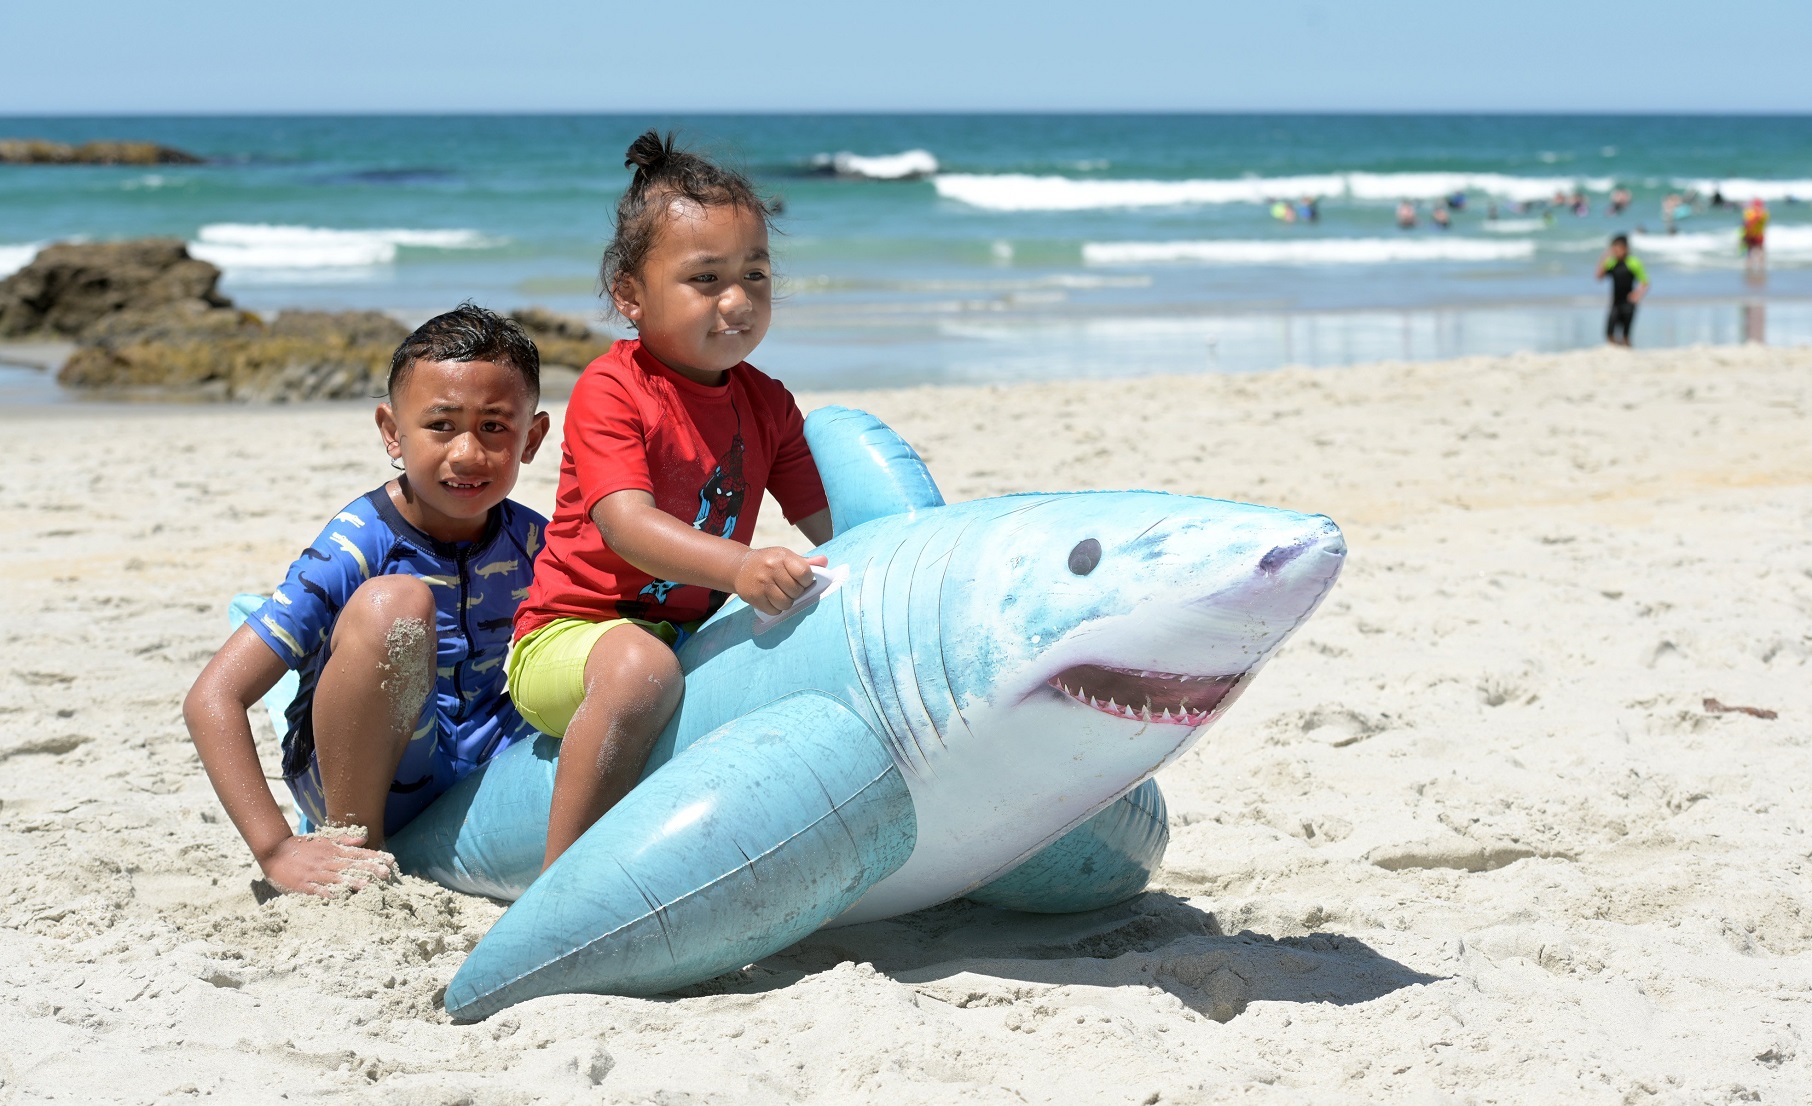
point(95, 57)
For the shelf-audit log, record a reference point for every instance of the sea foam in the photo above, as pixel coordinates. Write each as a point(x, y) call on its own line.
point(907, 165)
point(1025, 192)
point(14, 258)
point(1747, 189)
point(241, 246)
point(1711, 249)
point(1311, 251)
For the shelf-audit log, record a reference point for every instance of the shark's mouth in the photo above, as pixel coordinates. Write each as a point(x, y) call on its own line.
point(1145, 696)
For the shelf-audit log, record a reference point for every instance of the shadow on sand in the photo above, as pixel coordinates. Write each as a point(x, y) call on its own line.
point(1155, 940)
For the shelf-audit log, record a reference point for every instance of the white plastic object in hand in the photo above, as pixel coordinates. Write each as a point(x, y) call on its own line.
point(824, 582)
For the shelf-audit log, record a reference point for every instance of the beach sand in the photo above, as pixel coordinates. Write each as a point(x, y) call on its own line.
point(1474, 836)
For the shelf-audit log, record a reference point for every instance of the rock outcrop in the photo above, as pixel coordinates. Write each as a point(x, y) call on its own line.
point(70, 287)
point(231, 355)
point(149, 319)
point(36, 151)
point(564, 341)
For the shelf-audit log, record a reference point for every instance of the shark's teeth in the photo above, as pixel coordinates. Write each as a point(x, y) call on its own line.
point(1183, 713)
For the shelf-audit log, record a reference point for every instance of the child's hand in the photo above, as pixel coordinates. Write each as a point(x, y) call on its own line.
point(323, 866)
point(770, 579)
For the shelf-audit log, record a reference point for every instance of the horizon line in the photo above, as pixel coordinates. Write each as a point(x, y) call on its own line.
point(429, 113)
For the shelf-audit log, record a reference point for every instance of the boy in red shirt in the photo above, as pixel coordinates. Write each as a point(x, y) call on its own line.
point(671, 439)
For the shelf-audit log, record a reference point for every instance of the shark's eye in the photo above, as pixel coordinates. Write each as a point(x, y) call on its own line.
point(1085, 556)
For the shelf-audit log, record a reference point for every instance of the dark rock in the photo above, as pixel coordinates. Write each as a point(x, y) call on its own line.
point(36, 151)
point(69, 287)
point(355, 328)
point(542, 323)
point(230, 355)
point(563, 341)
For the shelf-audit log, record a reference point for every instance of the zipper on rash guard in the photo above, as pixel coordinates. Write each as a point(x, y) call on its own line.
point(462, 558)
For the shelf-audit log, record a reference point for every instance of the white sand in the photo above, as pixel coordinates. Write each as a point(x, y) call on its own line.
point(1472, 837)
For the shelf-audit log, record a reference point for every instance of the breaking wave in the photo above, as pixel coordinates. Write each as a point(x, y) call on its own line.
point(907, 165)
point(1024, 192)
point(14, 258)
point(1317, 251)
point(1747, 189)
point(1710, 249)
point(266, 246)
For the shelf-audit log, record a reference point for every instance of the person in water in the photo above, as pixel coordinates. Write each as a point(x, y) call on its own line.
point(1629, 284)
point(1755, 235)
point(671, 440)
point(397, 619)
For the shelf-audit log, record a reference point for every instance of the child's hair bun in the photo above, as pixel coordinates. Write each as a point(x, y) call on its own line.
point(649, 153)
point(665, 173)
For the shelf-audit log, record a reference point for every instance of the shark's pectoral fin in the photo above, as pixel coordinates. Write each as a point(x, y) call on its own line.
point(744, 843)
point(869, 471)
point(1105, 860)
point(487, 834)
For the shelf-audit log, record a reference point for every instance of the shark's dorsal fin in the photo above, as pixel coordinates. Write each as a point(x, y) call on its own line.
point(869, 471)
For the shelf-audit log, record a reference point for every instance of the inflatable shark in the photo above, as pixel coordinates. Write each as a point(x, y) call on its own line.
point(972, 704)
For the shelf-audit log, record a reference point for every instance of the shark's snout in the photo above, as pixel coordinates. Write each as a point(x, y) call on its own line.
point(1184, 650)
point(1326, 541)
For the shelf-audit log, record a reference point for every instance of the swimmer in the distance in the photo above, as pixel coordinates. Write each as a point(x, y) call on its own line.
point(397, 619)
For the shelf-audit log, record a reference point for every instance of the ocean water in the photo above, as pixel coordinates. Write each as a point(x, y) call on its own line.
point(974, 247)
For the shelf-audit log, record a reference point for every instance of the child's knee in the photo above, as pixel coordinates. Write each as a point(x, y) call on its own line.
point(396, 611)
point(637, 665)
point(382, 600)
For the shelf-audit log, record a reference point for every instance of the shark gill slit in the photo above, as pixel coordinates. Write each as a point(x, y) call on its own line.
point(893, 680)
point(943, 659)
point(912, 654)
point(854, 617)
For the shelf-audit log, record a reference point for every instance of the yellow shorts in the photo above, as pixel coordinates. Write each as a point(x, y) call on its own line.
point(546, 670)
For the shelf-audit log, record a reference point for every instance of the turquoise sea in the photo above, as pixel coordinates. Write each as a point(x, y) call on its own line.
point(996, 247)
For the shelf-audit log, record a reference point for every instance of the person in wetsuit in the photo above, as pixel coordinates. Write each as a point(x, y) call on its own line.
point(1629, 283)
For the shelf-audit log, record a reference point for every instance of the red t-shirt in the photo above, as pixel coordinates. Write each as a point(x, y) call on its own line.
point(705, 453)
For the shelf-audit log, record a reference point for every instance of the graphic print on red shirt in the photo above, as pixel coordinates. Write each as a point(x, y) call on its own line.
point(706, 453)
point(719, 508)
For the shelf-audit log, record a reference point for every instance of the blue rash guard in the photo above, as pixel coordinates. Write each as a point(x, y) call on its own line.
point(476, 586)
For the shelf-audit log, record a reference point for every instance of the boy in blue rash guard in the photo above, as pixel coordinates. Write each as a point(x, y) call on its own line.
point(397, 618)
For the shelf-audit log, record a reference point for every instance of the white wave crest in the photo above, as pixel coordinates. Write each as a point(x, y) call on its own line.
point(1746, 189)
point(14, 258)
point(906, 165)
point(1316, 251)
point(266, 246)
point(1024, 192)
point(1433, 186)
point(1723, 248)
point(1512, 226)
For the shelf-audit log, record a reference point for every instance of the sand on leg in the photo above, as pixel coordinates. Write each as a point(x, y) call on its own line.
point(370, 695)
point(632, 687)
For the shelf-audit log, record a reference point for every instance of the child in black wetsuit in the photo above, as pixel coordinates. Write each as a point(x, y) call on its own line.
point(1629, 283)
